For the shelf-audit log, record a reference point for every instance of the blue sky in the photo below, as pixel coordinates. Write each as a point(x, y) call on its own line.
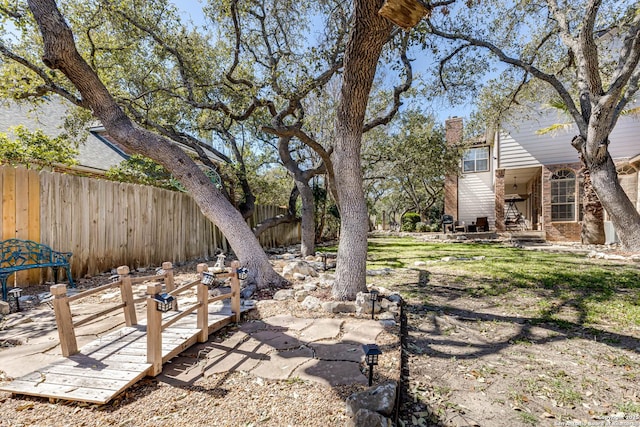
point(192, 9)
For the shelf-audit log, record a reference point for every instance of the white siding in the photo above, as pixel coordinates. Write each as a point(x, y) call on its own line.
point(475, 197)
point(520, 146)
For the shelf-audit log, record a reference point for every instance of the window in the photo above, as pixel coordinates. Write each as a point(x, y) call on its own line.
point(563, 196)
point(476, 160)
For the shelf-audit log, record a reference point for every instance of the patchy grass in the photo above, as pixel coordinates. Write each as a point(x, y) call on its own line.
point(565, 287)
point(505, 337)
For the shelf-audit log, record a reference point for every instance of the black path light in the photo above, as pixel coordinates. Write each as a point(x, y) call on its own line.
point(164, 302)
point(16, 292)
point(207, 278)
point(371, 353)
point(243, 273)
point(373, 295)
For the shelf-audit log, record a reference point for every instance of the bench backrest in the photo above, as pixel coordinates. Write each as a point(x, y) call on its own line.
point(482, 222)
point(16, 252)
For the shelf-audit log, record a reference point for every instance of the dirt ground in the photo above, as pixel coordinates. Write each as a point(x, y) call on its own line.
point(468, 362)
point(486, 362)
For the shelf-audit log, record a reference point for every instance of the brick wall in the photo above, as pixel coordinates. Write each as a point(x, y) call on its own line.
point(453, 135)
point(566, 231)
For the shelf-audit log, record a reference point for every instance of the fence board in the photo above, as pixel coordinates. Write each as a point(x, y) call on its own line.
point(106, 224)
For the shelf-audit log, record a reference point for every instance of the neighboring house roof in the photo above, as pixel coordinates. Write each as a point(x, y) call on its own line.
point(95, 154)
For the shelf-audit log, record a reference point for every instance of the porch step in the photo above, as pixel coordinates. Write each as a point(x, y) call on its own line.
point(538, 236)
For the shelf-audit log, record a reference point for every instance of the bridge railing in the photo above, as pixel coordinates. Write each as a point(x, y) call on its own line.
point(157, 321)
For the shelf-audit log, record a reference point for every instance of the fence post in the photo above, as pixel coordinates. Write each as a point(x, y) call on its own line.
point(235, 290)
point(203, 308)
point(64, 322)
point(169, 283)
point(127, 296)
point(154, 330)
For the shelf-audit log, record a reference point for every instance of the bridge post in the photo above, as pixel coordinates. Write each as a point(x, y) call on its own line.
point(64, 322)
point(154, 330)
point(127, 296)
point(235, 291)
point(169, 284)
point(203, 308)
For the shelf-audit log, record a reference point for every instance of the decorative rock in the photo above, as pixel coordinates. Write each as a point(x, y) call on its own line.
point(301, 267)
point(366, 418)
point(395, 298)
point(299, 276)
point(419, 263)
point(614, 257)
point(478, 258)
point(310, 258)
point(301, 295)
point(283, 294)
point(386, 316)
point(339, 307)
point(363, 304)
point(379, 399)
point(248, 291)
point(311, 303)
point(448, 259)
point(388, 323)
point(5, 308)
point(288, 256)
point(310, 287)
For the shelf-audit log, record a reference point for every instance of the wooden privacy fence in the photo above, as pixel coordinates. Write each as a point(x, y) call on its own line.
point(106, 223)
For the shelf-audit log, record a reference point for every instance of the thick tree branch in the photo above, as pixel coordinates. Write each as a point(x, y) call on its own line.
point(517, 62)
point(397, 91)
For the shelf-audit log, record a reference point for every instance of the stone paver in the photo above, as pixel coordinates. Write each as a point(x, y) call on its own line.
point(336, 350)
point(321, 329)
point(281, 364)
point(324, 350)
point(331, 373)
point(287, 322)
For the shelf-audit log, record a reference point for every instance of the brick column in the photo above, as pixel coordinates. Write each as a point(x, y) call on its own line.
point(499, 191)
point(453, 136)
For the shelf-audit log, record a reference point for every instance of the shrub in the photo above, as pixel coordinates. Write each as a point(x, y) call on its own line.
point(422, 227)
point(409, 221)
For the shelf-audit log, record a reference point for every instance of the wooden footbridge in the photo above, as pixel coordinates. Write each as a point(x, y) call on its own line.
point(104, 368)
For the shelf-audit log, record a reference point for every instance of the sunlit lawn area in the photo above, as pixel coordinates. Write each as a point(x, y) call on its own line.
point(601, 291)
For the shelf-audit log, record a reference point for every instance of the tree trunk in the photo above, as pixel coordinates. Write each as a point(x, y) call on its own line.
point(308, 241)
point(369, 32)
point(60, 53)
point(623, 214)
point(593, 214)
point(604, 177)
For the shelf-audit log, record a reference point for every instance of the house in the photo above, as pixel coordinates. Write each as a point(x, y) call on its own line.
point(521, 179)
point(98, 152)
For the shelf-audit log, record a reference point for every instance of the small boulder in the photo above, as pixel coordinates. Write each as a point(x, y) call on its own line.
point(311, 303)
point(366, 418)
point(5, 308)
point(380, 399)
point(419, 263)
point(338, 307)
point(299, 276)
point(310, 287)
point(364, 304)
point(301, 267)
point(283, 294)
point(300, 295)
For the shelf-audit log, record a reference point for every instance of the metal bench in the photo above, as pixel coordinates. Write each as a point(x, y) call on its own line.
point(17, 255)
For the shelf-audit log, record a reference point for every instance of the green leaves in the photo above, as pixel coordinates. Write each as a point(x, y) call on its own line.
point(35, 149)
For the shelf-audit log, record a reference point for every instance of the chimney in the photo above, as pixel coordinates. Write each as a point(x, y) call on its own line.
point(453, 130)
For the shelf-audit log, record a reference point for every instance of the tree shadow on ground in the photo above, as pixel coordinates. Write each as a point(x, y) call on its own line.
point(439, 311)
